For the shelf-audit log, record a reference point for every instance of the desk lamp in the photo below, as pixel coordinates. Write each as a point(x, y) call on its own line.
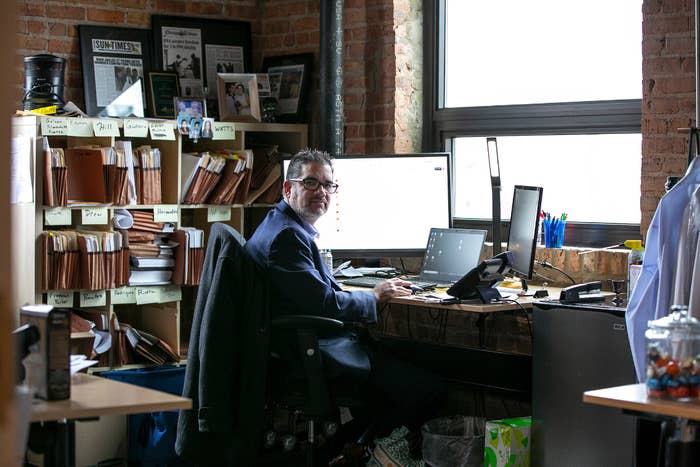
point(495, 171)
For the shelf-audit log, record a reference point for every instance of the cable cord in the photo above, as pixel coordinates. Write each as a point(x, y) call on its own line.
point(547, 265)
point(527, 317)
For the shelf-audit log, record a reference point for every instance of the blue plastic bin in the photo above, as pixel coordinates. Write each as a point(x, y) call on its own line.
point(151, 436)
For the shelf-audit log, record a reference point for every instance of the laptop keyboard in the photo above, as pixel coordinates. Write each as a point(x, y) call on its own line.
point(371, 281)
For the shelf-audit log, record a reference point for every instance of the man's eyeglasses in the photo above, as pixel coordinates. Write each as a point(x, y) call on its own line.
point(312, 184)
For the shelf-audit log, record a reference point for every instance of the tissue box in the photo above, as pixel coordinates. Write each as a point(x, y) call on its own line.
point(507, 442)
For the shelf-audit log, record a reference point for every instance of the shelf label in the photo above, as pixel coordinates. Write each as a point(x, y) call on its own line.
point(62, 299)
point(54, 126)
point(146, 295)
point(162, 130)
point(79, 127)
point(93, 298)
point(218, 213)
point(224, 130)
point(94, 216)
point(57, 216)
point(170, 293)
point(104, 127)
point(123, 296)
point(135, 128)
point(165, 213)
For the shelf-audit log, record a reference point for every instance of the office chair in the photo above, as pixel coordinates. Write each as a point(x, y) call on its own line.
point(232, 376)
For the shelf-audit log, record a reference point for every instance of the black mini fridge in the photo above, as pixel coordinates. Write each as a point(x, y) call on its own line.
point(577, 348)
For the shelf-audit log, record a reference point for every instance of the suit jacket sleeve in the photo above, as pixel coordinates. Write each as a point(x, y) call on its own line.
point(292, 269)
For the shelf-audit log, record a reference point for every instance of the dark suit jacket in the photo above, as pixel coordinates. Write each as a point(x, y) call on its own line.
point(299, 283)
point(227, 357)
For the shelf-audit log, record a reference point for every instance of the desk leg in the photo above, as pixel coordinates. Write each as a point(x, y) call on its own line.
point(61, 452)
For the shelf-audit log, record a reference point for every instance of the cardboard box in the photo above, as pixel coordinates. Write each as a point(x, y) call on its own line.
point(508, 442)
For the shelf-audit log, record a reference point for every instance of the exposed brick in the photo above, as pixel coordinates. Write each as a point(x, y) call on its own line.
point(66, 12)
point(57, 29)
point(106, 16)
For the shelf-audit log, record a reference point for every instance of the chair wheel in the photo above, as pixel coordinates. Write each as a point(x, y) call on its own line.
point(288, 442)
point(269, 439)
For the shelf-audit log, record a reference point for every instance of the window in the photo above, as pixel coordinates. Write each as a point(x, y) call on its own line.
point(560, 86)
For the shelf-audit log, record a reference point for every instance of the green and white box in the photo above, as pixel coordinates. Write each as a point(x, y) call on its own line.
point(507, 442)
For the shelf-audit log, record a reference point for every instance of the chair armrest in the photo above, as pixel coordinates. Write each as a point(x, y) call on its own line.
point(307, 322)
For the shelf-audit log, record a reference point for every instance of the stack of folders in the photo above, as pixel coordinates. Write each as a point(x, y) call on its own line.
point(147, 169)
point(96, 323)
point(241, 194)
point(61, 255)
point(189, 255)
point(203, 177)
point(54, 175)
point(148, 346)
point(233, 176)
point(265, 186)
point(96, 176)
point(152, 257)
point(103, 261)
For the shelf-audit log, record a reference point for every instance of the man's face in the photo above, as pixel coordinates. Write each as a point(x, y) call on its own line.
point(309, 205)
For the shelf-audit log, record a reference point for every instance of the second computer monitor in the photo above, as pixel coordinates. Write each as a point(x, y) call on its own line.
point(524, 221)
point(451, 253)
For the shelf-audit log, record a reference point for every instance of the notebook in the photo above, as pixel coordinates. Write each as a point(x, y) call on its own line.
point(449, 255)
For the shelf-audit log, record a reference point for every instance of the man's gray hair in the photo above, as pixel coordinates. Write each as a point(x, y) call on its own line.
point(306, 156)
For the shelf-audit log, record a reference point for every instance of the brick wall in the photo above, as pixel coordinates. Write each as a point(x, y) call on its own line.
point(668, 69)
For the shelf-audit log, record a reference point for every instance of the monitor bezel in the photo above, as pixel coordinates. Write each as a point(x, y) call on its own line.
point(531, 262)
point(388, 252)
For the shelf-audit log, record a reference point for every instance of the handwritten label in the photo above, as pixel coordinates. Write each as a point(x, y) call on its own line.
point(224, 130)
point(123, 295)
point(135, 128)
point(79, 127)
point(218, 213)
point(146, 295)
point(57, 216)
point(93, 298)
point(54, 126)
point(162, 130)
point(165, 213)
point(60, 299)
point(104, 127)
point(170, 293)
point(94, 216)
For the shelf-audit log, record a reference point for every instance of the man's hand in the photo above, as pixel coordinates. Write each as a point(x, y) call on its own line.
point(384, 291)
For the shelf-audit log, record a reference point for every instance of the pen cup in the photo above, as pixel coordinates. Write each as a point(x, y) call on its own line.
point(559, 234)
point(553, 233)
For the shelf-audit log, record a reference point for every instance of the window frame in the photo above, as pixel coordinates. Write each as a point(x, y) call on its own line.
point(441, 125)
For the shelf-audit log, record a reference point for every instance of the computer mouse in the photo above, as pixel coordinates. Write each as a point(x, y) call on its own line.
point(414, 289)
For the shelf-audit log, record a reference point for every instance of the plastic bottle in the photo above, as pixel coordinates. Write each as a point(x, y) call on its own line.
point(327, 256)
point(634, 263)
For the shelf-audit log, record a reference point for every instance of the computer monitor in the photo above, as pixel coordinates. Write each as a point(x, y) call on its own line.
point(386, 204)
point(450, 253)
point(524, 221)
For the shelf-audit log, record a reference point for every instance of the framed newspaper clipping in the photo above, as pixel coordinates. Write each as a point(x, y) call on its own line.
point(199, 48)
point(113, 58)
point(289, 78)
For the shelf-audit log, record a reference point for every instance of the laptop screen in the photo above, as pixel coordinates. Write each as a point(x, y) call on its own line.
point(451, 253)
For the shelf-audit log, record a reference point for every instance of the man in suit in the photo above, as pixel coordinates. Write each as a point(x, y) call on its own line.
point(284, 246)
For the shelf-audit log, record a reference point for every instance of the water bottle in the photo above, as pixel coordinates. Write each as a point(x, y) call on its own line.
point(327, 257)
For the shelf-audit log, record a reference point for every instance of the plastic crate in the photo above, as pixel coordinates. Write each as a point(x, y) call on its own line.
point(151, 436)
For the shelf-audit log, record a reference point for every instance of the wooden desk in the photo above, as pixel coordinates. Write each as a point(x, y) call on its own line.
point(91, 397)
point(633, 397)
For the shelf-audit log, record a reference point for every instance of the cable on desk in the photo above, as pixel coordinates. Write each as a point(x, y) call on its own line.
point(527, 317)
point(547, 265)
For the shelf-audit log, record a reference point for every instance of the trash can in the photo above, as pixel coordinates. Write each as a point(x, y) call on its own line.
point(456, 441)
point(151, 436)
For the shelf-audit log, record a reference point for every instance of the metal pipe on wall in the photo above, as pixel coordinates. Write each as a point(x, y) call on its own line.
point(331, 76)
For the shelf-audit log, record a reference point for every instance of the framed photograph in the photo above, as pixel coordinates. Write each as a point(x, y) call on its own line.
point(289, 79)
point(238, 97)
point(113, 58)
point(199, 48)
point(207, 128)
point(190, 107)
point(162, 87)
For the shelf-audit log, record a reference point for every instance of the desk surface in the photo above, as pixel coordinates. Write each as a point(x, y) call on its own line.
point(93, 396)
point(634, 397)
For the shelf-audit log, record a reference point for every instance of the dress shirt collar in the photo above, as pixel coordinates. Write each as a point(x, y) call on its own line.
point(287, 209)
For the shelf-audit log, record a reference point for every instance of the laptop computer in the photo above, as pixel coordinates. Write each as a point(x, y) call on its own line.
point(449, 254)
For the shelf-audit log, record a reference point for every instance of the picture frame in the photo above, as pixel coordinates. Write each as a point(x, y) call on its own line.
point(290, 78)
point(190, 106)
point(199, 48)
point(162, 87)
point(107, 54)
point(238, 97)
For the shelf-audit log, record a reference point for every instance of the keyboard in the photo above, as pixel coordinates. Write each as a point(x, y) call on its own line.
point(371, 281)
